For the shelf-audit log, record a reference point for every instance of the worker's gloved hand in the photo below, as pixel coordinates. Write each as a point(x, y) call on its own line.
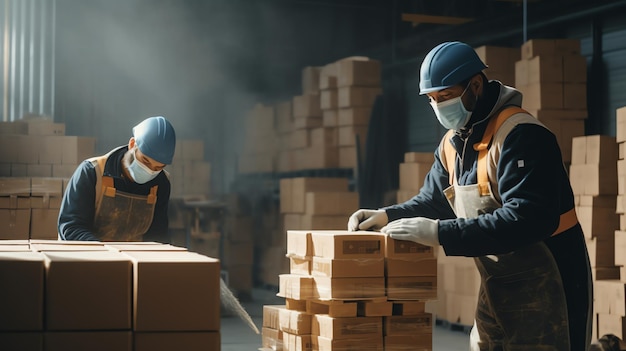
point(367, 219)
point(421, 230)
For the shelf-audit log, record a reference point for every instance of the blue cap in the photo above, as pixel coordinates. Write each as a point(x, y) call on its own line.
point(155, 138)
point(448, 64)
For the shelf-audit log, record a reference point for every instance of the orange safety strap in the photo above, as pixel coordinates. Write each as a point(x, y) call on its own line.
point(108, 186)
point(152, 196)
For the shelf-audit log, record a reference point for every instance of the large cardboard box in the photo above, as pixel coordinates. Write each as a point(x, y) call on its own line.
point(22, 293)
point(89, 340)
point(187, 341)
point(23, 341)
point(301, 186)
point(327, 288)
point(348, 268)
point(611, 324)
point(346, 327)
point(18, 186)
point(77, 148)
point(593, 179)
point(294, 322)
point(575, 96)
point(188, 302)
point(39, 127)
point(348, 156)
point(331, 202)
point(403, 249)
point(539, 96)
point(27, 149)
point(412, 175)
point(359, 73)
point(98, 276)
point(351, 96)
point(345, 244)
point(549, 47)
point(43, 223)
point(307, 105)
point(408, 325)
point(14, 223)
point(51, 150)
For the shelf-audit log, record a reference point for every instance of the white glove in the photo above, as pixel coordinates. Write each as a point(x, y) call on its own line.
point(421, 230)
point(367, 219)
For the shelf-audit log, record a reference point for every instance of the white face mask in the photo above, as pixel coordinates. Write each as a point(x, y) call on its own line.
point(140, 172)
point(452, 113)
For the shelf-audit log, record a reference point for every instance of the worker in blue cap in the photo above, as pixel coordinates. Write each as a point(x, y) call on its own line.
point(498, 192)
point(123, 195)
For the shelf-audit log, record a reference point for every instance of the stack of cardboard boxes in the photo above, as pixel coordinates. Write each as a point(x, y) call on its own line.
point(412, 174)
point(610, 295)
point(190, 173)
point(55, 298)
point(500, 62)
point(260, 142)
point(552, 75)
point(352, 290)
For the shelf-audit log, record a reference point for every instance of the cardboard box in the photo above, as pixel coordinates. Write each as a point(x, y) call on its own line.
point(409, 250)
point(22, 294)
point(574, 69)
point(593, 179)
point(348, 156)
point(408, 325)
point(331, 203)
point(412, 175)
point(284, 117)
point(295, 287)
point(299, 243)
point(43, 223)
point(412, 288)
point(308, 122)
point(39, 126)
point(41, 186)
point(301, 186)
point(558, 114)
point(103, 275)
point(408, 308)
point(77, 148)
point(345, 244)
point(352, 96)
point(19, 186)
point(423, 267)
point(346, 327)
point(538, 96)
point(544, 69)
point(53, 245)
point(358, 73)
point(611, 324)
point(323, 222)
point(549, 47)
point(307, 105)
point(620, 127)
point(329, 99)
point(419, 157)
point(348, 268)
point(14, 223)
point(15, 202)
point(39, 170)
point(597, 221)
point(23, 341)
point(575, 96)
point(330, 118)
point(300, 266)
point(89, 340)
point(294, 322)
point(311, 79)
point(63, 171)
point(296, 342)
point(324, 136)
point(364, 343)
point(349, 288)
point(51, 151)
point(354, 116)
point(188, 341)
point(348, 136)
point(193, 283)
point(271, 316)
point(610, 297)
point(328, 76)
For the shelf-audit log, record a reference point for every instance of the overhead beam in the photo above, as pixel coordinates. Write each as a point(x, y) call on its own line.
point(416, 18)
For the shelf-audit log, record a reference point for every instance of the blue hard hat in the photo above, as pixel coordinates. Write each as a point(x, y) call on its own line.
point(155, 137)
point(448, 64)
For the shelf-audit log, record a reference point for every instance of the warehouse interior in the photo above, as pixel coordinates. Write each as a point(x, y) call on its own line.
point(289, 116)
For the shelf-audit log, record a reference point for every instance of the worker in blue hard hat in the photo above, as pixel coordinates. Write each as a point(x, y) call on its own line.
point(123, 195)
point(498, 192)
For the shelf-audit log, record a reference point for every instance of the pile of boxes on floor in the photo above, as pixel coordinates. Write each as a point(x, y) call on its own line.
point(36, 160)
point(353, 291)
point(318, 129)
point(64, 295)
point(603, 217)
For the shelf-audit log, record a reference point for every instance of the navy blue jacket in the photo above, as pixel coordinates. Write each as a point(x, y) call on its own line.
point(76, 216)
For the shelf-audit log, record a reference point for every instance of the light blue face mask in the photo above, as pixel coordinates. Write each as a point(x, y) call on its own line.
point(452, 113)
point(140, 172)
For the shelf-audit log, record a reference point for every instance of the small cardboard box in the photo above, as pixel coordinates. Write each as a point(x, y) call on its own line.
point(331, 203)
point(345, 244)
point(403, 249)
point(300, 266)
point(352, 96)
point(202, 340)
point(271, 316)
point(77, 148)
point(22, 295)
point(14, 223)
point(359, 73)
point(43, 223)
point(329, 99)
point(348, 268)
point(408, 325)
point(424, 267)
point(412, 288)
point(346, 327)
point(302, 185)
point(295, 287)
point(412, 175)
point(419, 157)
point(349, 288)
point(103, 275)
point(193, 283)
point(43, 186)
point(330, 117)
point(272, 338)
point(324, 136)
point(294, 322)
point(348, 156)
point(296, 342)
point(89, 340)
point(307, 105)
point(354, 116)
point(364, 343)
point(348, 135)
point(299, 243)
point(51, 151)
point(538, 96)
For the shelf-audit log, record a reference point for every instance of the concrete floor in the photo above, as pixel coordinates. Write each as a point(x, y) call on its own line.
point(237, 336)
